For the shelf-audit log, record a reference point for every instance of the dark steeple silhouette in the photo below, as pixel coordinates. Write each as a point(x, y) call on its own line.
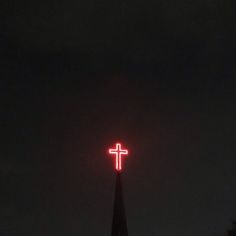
point(233, 231)
point(119, 224)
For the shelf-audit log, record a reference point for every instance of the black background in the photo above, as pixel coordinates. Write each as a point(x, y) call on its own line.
point(76, 76)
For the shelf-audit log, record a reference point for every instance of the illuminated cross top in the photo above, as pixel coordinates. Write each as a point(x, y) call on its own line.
point(118, 153)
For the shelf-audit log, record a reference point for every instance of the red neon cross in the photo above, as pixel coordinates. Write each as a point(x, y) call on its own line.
point(118, 152)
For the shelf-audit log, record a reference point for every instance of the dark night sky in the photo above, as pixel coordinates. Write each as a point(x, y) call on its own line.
point(75, 76)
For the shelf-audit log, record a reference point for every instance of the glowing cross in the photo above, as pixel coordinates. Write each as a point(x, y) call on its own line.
point(118, 152)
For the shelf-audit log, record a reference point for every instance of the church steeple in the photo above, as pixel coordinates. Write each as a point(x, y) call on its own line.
point(233, 231)
point(119, 223)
